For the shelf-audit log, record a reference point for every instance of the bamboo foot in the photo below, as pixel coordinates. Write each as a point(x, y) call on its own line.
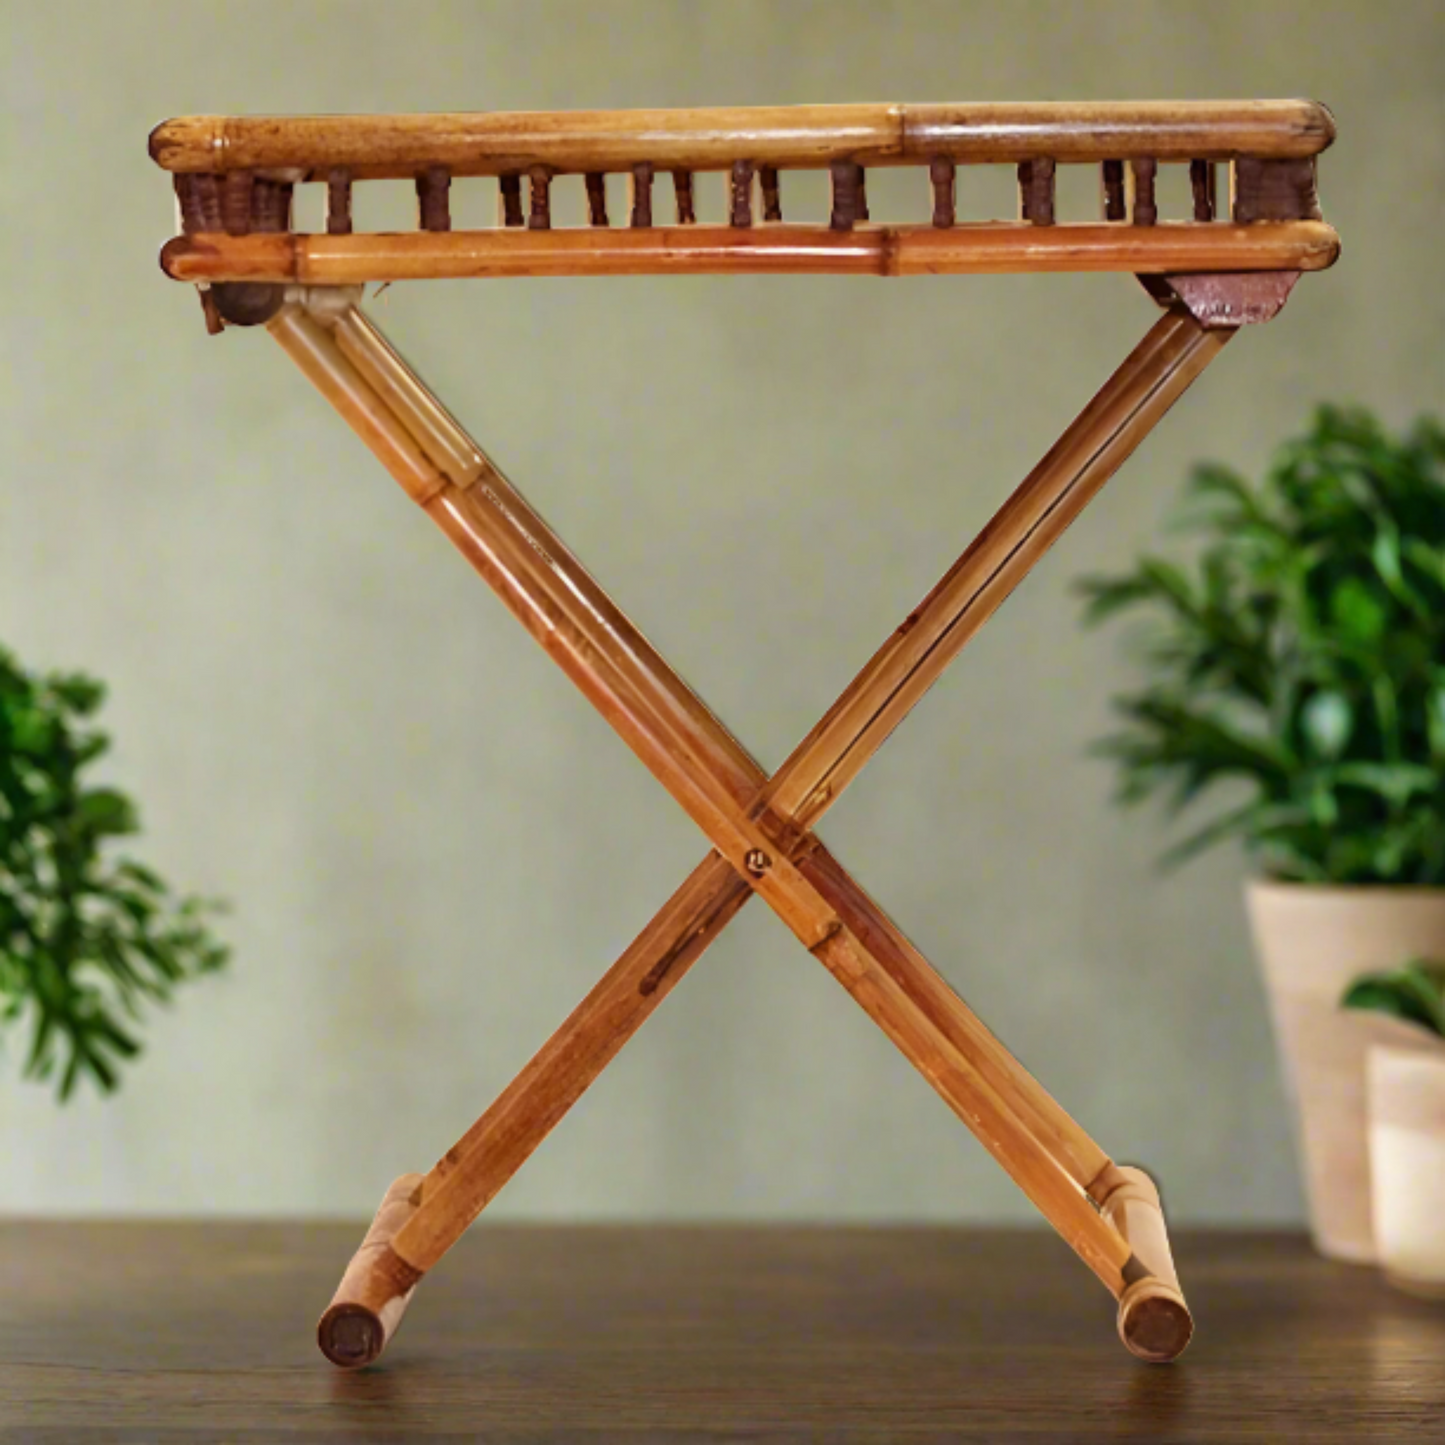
point(1154, 1321)
point(377, 1287)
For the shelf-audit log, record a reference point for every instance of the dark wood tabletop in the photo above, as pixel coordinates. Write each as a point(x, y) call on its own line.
point(199, 1333)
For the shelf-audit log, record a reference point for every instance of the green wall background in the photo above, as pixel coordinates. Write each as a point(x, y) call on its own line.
point(433, 845)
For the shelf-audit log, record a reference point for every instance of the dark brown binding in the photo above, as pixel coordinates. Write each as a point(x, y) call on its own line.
point(239, 203)
point(192, 219)
point(740, 203)
point(845, 195)
point(682, 191)
point(271, 206)
point(1041, 191)
point(1145, 211)
point(1112, 175)
point(642, 194)
point(236, 192)
point(1026, 190)
point(540, 180)
point(772, 196)
point(941, 175)
point(338, 201)
point(1224, 300)
point(433, 196)
point(1267, 190)
point(509, 189)
point(596, 198)
point(1202, 184)
point(208, 198)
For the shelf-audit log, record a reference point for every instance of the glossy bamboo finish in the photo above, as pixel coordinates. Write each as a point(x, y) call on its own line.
point(1130, 404)
point(462, 461)
point(569, 630)
point(994, 1100)
point(974, 248)
point(789, 137)
point(1154, 1320)
point(454, 451)
point(372, 1297)
point(534, 1103)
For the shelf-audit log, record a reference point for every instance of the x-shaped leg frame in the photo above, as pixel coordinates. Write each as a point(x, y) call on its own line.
point(761, 829)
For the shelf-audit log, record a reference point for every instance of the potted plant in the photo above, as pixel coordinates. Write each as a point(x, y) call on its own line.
point(1407, 1127)
point(86, 938)
point(1296, 672)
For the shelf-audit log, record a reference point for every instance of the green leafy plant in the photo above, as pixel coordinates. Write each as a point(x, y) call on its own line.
point(1300, 652)
point(1415, 993)
point(85, 938)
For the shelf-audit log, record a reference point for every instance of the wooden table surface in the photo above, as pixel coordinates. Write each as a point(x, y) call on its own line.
point(165, 1333)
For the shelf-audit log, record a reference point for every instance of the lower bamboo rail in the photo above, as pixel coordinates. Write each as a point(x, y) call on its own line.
point(981, 248)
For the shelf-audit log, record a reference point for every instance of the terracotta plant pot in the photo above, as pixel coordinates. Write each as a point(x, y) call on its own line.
point(1407, 1165)
point(1313, 941)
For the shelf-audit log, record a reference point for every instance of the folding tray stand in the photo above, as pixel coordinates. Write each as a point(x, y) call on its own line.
point(1211, 274)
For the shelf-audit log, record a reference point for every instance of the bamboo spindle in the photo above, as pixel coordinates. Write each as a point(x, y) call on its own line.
point(641, 183)
point(1112, 180)
point(740, 194)
point(772, 196)
point(338, 201)
point(1142, 170)
point(1203, 186)
point(942, 177)
point(510, 564)
point(539, 218)
point(509, 199)
point(596, 183)
point(682, 192)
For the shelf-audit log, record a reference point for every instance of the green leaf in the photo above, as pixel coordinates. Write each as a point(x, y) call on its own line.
point(1415, 993)
point(1357, 612)
point(1435, 721)
point(1396, 782)
point(1386, 555)
point(85, 941)
point(107, 812)
point(1299, 648)
point(81, 694)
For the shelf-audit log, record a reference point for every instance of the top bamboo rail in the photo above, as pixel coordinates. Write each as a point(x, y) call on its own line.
point(795, 137)
point(235, 176)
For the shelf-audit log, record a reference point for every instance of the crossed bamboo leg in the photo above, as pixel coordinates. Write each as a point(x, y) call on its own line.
point(762, 831)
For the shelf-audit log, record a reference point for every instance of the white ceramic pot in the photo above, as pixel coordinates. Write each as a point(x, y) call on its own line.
point(1313, 941)
point(1407, 1166)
